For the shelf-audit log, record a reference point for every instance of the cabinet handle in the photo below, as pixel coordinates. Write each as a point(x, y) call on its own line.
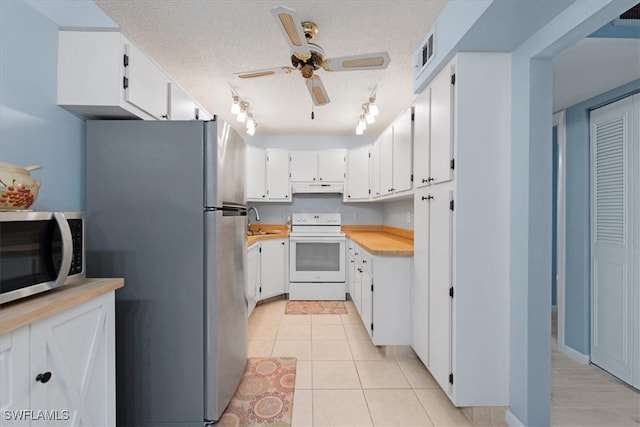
point(429, 197)
point(44, 377)
point(352, 261)
point(164, 116)
point(364, 261)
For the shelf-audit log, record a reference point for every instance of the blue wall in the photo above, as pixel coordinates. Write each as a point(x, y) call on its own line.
point(33, 129)
point(577, 295)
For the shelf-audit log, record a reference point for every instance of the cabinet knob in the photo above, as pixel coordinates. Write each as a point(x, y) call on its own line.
point(349, 196)
point(320, 178)
point(314, 179)
point(164, 116)
point(282, 243)
point(364, 261)
point(360, 270)
point(263, 195)
point(44, 377)
point(352, 261)
point(286, 196)
point(429, 197)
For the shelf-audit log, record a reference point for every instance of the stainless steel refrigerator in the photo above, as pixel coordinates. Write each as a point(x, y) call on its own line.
point(166, 210)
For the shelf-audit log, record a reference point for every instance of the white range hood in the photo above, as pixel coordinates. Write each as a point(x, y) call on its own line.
point(317, 187)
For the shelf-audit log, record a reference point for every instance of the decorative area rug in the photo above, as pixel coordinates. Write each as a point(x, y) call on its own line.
point(315, 307)
point(265, 394)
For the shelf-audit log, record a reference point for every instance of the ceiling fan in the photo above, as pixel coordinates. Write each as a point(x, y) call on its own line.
point(309, 57)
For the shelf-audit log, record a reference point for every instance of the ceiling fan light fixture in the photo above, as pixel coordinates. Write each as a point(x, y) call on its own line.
point(252, 131)
point(251, 123)
point(242, 115)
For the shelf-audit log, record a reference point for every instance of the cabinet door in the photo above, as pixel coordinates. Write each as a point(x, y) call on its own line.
point(14, 374)
point(331, 165)
point(273, 265)
point(181, 106)
point(253, 281)
point(304, 165)
point(357, 185)
point(147, 84)
point(278, 184)
point(420, 290)
point(386, 161)
point(256, 173)
point(375, 169)
point(440, 240)
point(76, 347)
point(402, 148)
point(367, 301)
point(441, 125)
point(421, 138)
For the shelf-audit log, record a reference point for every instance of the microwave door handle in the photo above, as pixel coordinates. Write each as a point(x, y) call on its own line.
point(67, 249)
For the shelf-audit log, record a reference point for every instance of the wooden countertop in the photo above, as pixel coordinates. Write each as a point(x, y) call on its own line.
point(276, 231)
point(381, 239)
point(15, 314)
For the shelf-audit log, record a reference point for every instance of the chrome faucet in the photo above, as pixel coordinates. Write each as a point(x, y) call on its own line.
point(257, 216)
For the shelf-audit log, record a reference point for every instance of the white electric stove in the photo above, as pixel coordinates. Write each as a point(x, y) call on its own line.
point(317, 257)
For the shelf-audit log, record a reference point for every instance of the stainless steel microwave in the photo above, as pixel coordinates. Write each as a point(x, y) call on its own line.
point(39, 251)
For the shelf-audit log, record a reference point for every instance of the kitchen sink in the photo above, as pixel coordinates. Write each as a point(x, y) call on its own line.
point(262, 233)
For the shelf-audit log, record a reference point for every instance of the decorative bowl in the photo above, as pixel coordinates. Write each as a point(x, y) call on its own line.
point(18, 190)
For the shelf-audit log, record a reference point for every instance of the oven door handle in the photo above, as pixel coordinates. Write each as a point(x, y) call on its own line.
point(318, 239)
point(67, 249)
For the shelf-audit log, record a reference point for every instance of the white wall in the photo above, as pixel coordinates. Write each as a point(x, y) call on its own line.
point(398, 213)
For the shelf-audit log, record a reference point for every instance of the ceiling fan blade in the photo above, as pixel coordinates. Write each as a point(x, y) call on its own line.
point(317, 91)
point(367, 61)
point(265, 72)
point(292, 30)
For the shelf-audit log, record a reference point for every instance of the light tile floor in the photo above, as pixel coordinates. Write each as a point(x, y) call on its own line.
point(342, 379)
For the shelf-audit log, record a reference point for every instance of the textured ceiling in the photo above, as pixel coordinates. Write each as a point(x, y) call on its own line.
point(200, 44)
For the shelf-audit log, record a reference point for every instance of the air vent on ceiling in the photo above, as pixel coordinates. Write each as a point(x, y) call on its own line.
point(633, 13)
point(427, 51)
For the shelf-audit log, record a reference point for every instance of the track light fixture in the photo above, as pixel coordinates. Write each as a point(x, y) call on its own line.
point(241, 108)
point(368, 116)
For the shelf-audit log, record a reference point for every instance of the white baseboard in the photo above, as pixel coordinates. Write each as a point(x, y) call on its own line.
point(512, 420)
point(575, 355)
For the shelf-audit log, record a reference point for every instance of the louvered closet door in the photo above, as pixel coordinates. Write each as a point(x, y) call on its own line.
point(612, 325)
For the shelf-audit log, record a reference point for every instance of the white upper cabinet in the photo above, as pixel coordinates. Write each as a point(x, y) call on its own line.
point(101, 74)
point(421, 138)
point(392, 158)
point(278, 184)
point(256, 173)
point(181, 105)
point(442, 115)
point(402, 152)
point(375, 169)
point(386, 161)
point(145, 85)
point(304, 165)
point(357, 184)
point(325, 165)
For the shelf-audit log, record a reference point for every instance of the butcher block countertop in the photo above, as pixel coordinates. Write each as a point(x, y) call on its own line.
point(271, 231)
point(15, 314)
point(381, 239)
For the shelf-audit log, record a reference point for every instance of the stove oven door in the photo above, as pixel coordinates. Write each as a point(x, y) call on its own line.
point(317, 259)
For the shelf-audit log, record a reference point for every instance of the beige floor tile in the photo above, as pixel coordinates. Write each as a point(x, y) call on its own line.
point(344, 408)
point(303, 375)
point(580, 376)
point(328, 332)
point(356, 332)
point(335, 375)
point(365, 350)
point(326, 319)
point(394, 408)
point(260, 348)
point(330, 350)
point(400, 352)
point(298, 349)
point(295, 319)
point(417, 374)
point(263, 331)
point(302, 408)
point(381, 374)
point(589, 417)
point(294, 332)
point(352, 318)
point(440, 409)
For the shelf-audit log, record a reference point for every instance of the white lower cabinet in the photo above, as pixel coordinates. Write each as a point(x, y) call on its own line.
point(268, 270)
point(60, 371)
point(253, 276)
point(379, 287)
